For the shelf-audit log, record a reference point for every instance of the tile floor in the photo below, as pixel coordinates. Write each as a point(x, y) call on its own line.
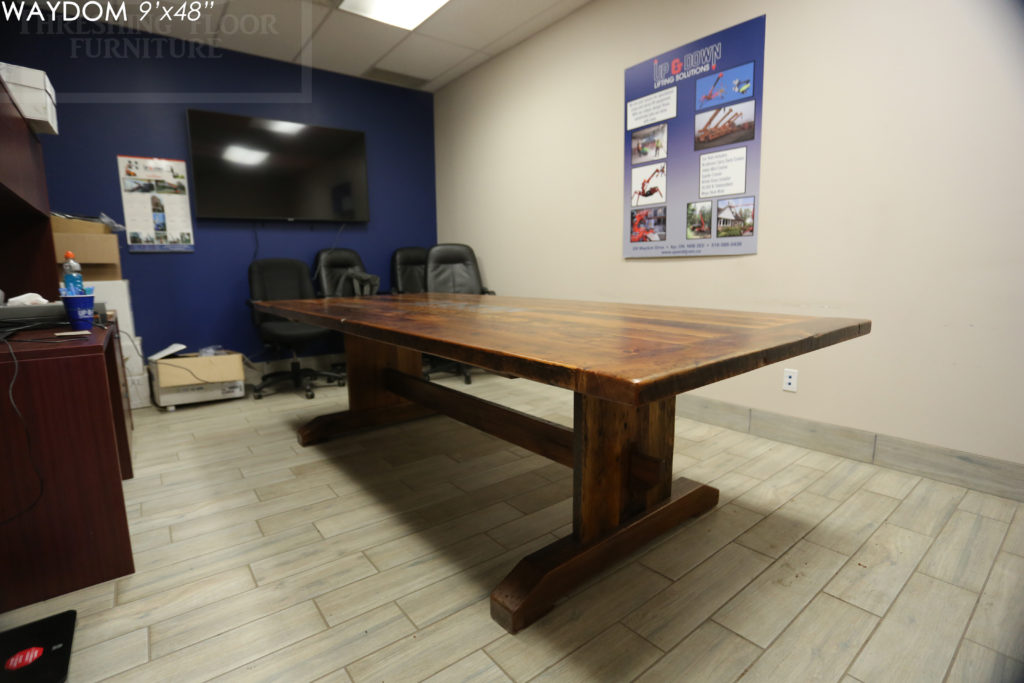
point(371, 559)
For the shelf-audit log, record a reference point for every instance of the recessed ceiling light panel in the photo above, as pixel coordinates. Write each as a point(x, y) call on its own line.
point(407, 14)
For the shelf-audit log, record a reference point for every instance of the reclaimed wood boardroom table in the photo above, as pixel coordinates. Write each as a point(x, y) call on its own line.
point(625, 364)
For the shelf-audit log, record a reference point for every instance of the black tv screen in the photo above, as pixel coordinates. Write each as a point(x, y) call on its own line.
point(264, 169)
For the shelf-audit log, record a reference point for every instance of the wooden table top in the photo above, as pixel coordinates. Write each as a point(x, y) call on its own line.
point(629, 353)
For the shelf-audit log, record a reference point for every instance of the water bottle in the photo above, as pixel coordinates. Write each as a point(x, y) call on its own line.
point(72, 275)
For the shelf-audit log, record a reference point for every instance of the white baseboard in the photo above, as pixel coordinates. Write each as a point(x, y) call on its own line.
point(989, 475)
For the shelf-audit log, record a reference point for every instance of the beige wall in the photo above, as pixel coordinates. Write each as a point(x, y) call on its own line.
point(891, 188)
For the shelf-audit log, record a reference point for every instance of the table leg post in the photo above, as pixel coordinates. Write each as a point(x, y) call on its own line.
point(622, 499)
point(623, 462)
point(370, 403)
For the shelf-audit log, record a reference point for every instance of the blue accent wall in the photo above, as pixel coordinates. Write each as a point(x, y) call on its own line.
point(129, 93)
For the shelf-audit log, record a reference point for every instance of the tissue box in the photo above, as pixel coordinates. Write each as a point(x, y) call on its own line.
point(34, 96)
point(192, 379)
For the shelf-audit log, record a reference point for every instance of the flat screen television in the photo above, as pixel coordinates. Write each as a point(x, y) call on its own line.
point(264, 169)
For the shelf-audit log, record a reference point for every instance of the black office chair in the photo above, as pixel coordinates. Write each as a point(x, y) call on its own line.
point(340, 272)
point(273, 279)
point(409, 270)
point(452, 268)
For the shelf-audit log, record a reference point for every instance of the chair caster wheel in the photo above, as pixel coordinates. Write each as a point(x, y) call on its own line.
point(309, 393)
point(257, 395)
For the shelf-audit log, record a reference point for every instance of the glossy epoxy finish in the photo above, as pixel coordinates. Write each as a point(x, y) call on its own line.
point(629, 353)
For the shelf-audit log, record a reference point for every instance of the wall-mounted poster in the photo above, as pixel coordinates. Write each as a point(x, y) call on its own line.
point(693, 147)
point(154, 193)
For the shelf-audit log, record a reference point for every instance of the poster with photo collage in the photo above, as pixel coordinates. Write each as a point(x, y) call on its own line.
point(154, 193)
point(693, 147)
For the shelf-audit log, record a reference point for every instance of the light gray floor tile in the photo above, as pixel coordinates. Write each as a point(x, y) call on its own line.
point(853, 522)
point(700, 540)
point(876, 574)
point(965, 550)
point(841, 481)
point(775, 491)
point(817, 646)
point(777, 532)
point(198, 533)
point(618, 654)
point(988, 505)
point(998, 623)
point(672, 614)
point(764, 608)
point(711, 654)
point(1014, 542)
point(892, 483)
point(918, 637)
point(927, 508)
point(977, 664)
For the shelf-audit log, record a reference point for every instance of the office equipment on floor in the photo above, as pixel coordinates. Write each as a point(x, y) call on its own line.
point(273, 279)
point(177, 380)
point(625, 364)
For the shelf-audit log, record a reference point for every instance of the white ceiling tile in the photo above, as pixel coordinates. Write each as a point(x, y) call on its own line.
point(533, 26)
point(456, 39)
point(423, 57)
point(349, 44)
point(462, 68)
point(475, 23)
point(269, 28)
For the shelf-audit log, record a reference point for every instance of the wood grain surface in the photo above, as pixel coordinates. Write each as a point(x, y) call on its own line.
point(62, 450)
point(628, 353)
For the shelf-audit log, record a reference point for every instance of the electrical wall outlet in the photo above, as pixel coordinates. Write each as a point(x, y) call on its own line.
point(789, 380)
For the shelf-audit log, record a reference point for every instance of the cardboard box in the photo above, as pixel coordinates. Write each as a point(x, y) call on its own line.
point(98, 254)
point(78, 225)
point(32, 92)
point(191, 378)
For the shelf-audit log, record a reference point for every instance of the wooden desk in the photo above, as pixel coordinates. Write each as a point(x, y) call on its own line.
point(76, 436)
point(625, 364)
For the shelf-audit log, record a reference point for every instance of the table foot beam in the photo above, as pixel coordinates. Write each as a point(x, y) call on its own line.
point(540, 579)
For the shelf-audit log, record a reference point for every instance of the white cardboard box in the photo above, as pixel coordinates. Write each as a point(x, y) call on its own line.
point(191, 378)
point(34, 96)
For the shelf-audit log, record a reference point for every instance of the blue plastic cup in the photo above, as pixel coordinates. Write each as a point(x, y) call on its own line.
point(79, 310)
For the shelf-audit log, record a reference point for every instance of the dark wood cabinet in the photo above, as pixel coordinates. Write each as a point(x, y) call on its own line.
point(66, 447)
point(26, 239)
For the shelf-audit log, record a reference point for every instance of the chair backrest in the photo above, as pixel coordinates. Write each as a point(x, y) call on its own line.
point(272, 279)
point(409, 270)
point(332, 265)
point(453, 268)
